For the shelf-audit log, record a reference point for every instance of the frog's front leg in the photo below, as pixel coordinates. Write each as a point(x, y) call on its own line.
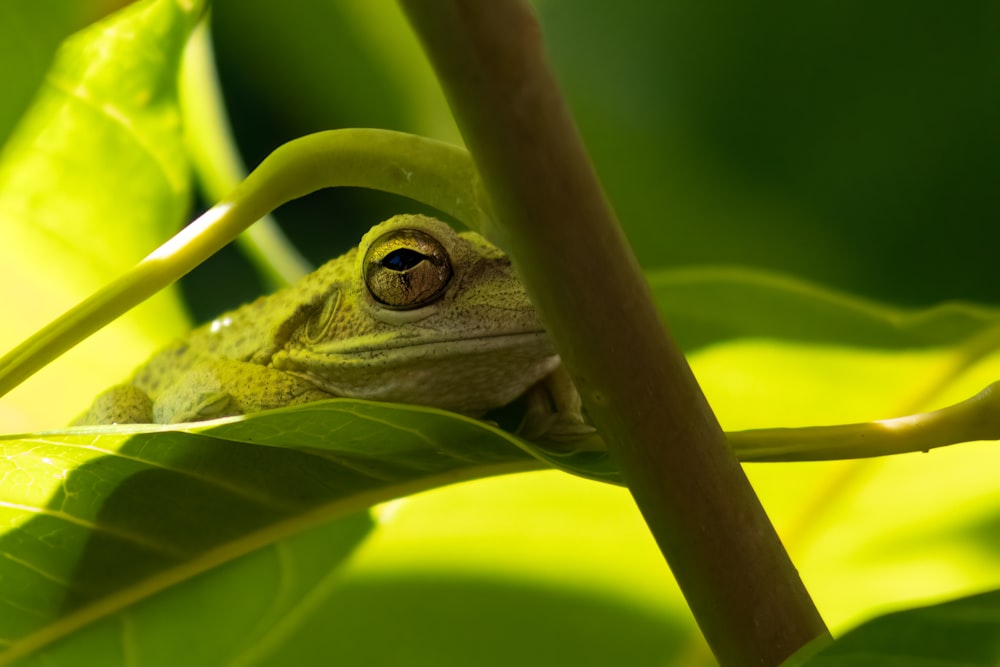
point(222, 388)
point(121, 404)
point(554, 410)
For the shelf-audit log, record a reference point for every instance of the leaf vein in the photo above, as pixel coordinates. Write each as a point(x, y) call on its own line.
point(222, 483)
point(37, 570)
point(138, 540)
point(121, 119)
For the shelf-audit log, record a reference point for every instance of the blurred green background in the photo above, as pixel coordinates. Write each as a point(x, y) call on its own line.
point(851, 143)
point(844, 143)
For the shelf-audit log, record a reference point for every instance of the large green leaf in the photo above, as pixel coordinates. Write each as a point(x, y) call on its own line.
point(234, 616)
point(92, 179)
point(961, 633)
point(866, 535)
point(30, 33)
point(103, 519)
point(707, 305)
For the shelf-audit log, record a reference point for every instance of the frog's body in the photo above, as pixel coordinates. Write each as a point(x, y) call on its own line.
point(416, 314)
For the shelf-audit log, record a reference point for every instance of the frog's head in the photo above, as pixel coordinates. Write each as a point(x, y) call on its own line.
point(419, 313)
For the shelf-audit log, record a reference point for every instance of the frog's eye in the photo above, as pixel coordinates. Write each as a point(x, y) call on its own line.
point(406, 269)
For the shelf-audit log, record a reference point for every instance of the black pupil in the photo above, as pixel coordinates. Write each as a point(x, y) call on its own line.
point(402, 259)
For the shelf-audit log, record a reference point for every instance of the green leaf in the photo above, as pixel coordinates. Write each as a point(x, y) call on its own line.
point(707, 305)
point(103, 521)
point(235, 614)
point(960, 633)
point(866, 535)
point(30, 33)
point(91, 180)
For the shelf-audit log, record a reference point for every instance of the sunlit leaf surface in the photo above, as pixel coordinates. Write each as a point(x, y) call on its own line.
point(962, 633)
point(30, 33)
point(99, 523)
point(93, 178)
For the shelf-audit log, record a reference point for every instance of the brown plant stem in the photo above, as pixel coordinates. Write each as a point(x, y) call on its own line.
point(568, 247)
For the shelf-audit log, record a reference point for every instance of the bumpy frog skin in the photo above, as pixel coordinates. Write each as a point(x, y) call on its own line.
point(417, 313)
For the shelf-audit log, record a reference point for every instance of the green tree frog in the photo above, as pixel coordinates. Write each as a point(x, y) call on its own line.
point(417, 313)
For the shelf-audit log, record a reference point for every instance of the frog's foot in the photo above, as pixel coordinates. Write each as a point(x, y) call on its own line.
point(122, 404)
point(192, 406)
point(224, 387)
point(554, 411)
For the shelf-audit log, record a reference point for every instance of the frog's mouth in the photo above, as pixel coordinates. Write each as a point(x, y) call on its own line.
point(470, 374)
point(392, 348)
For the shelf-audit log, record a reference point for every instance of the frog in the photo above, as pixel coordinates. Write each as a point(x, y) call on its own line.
point(416, 313)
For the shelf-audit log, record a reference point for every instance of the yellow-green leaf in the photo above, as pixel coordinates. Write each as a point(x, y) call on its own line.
point(92, 179)
point(115, 528)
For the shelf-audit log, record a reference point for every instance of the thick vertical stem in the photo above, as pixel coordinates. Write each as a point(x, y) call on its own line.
point(566, 243)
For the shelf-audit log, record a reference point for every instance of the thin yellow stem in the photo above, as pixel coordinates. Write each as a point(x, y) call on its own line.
point(976, 418)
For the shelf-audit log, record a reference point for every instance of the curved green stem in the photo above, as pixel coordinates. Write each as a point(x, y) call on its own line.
point(434, 173)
